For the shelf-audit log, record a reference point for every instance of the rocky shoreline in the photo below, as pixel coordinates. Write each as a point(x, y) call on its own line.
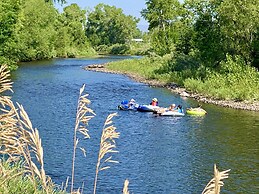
point(181, 91)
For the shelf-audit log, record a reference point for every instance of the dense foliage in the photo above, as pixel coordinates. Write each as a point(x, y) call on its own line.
point(34, 30)
point(205, 29)
point(210, 46)
point(107, 25)
point(234, 81)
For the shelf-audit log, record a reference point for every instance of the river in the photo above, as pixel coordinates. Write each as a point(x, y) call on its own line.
point(156, 154)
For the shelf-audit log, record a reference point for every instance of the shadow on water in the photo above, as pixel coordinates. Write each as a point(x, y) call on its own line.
point(157, 154)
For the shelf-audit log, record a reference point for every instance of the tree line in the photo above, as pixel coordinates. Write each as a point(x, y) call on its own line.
point(197, 32)
point(35, 30)
point(207, 30)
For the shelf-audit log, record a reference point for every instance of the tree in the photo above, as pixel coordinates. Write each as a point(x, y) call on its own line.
point(239, 24)
point(222, 27)
point(71, 39)
point(207, 38)
point(36, 33)
point(9, 18)
point(107, 25)
point(164, 17)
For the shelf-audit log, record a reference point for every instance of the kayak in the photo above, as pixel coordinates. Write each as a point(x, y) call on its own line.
point(125, 105)
point(166, 112)
point(147, 108)
point(171, 113)
point(196, 111)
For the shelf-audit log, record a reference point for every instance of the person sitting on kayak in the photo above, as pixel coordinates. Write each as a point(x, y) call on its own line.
point(132, 103)
point(161, 110)
point(179, 108)
point(172, 107)
point(154, 102)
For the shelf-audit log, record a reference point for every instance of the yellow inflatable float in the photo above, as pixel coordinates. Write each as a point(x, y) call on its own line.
point(196, 111)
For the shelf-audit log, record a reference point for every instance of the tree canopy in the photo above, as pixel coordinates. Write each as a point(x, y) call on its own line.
point(34, 30)
point(107, 25)
point(208, 28)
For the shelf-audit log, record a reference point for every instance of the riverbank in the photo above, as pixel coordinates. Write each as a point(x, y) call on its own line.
point(244, 105)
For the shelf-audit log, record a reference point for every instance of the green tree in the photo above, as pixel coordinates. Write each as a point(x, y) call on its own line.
point(239, 24)
point(9, 18)
point(206, 39)
point(107, 25)
point(71, 38)
point(36, 33)
point(164, 17)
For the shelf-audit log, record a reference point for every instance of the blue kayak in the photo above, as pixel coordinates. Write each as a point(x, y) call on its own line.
point(147, 108)
point(125, 105)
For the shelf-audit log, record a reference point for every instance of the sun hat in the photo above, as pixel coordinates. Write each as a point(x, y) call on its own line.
point(155, 99)
point(132, 100)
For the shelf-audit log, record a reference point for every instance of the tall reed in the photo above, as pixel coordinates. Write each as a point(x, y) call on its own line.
point(107, 145)
point(125, 187)
point(80, 126)
point(19, 140)
point(213, 187)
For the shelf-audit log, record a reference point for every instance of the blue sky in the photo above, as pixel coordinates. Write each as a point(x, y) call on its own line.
point(132, 7)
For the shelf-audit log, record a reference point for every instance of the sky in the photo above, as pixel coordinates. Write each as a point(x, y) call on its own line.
point(132, 7)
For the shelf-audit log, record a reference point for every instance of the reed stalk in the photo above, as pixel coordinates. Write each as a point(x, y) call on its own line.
point(125, 187)
point(107, 146)
point(213, 187)
point(19, 140)
point(80, 126)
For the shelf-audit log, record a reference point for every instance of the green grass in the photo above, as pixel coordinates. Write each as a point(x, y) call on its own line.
point(144, 67)
point(231, 80)
point(13, 179)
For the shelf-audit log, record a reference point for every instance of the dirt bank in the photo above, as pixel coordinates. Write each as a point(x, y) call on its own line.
point(181, 91)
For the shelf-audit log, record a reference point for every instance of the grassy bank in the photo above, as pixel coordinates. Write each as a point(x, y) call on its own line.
point(231, 80)
point(14, 178)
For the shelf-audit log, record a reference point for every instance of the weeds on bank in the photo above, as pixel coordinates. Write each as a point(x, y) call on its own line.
point(233, 79)
point(21, 163)
point(107, 145)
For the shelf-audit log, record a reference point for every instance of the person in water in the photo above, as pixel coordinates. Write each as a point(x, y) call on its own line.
point(154, 102)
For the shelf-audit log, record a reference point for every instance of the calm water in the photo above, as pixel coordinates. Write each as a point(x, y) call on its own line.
point(157, 154)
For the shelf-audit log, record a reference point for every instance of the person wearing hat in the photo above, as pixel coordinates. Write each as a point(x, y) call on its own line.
point(172, 107)
point(154, 102)
point(131, 103)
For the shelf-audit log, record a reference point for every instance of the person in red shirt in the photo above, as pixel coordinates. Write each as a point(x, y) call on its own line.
point(154, 102)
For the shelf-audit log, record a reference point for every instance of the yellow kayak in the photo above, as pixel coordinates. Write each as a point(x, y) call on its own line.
point(196, 111)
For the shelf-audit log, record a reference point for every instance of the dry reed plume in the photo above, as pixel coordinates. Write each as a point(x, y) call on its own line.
point(125, 187)
point(213, 187)
point(80, 126)
point(107, 146)
point(19, 140)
